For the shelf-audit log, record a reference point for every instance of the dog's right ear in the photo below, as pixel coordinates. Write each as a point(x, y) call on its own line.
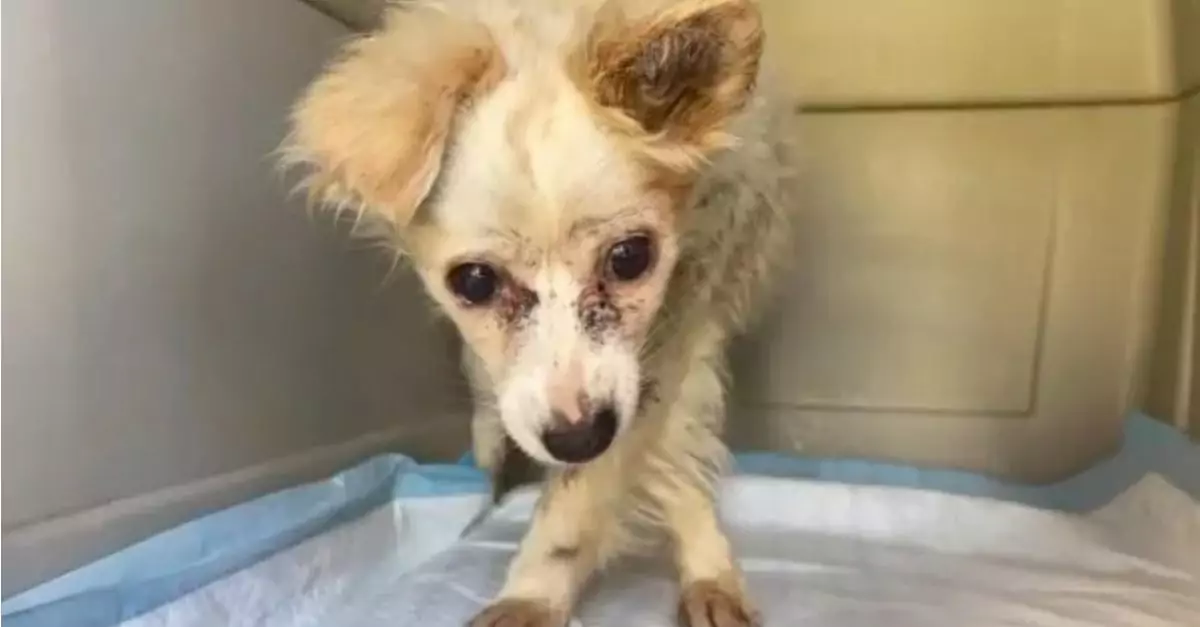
point(372, 129)
point(677, 69)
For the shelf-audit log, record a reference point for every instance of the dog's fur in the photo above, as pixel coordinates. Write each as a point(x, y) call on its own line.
point(531, 135)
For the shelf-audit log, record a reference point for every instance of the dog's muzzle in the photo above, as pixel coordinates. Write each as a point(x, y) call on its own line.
point(583, 440)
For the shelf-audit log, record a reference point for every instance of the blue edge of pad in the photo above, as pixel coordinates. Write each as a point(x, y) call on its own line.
point(164, 567)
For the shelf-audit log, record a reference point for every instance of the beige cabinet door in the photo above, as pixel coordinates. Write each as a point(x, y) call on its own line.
point(970, 288)
point(980, 240)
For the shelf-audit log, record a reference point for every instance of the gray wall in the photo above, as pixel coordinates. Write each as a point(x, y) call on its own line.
point(176, 334)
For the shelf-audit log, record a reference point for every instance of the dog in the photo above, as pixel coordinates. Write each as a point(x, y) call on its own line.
point(597, 194)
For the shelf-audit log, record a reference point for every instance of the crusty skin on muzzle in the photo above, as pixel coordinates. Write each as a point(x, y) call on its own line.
point(596, 194)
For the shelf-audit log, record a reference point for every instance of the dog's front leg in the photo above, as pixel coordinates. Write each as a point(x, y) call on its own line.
point(572, 533)
point(713, 589)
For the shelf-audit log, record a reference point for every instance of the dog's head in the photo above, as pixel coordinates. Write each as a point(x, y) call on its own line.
point(534, 167)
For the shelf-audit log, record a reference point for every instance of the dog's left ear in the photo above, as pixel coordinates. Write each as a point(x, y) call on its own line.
point(680, 72)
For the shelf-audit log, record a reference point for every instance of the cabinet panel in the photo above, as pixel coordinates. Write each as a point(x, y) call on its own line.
point(925, 243)
point(855, 52)
point(970, 288)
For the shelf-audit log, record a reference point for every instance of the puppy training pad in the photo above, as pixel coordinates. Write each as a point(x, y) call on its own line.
point(814, 554)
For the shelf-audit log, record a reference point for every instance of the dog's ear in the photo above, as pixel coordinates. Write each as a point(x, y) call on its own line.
point(372, 129)
point(679, 72)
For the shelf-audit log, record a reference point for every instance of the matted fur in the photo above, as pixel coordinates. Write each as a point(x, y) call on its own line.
point(530, 135)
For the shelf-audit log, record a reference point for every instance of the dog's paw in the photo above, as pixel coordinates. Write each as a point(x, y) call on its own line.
point(708, 603)
point(518, 613)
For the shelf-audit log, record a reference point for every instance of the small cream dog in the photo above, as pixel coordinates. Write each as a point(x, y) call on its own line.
point(594, 191)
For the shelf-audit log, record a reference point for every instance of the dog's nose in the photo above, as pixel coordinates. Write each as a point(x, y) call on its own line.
point(583, 440)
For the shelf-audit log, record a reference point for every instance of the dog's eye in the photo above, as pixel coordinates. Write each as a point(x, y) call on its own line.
point(630, 258)
point(475, 283)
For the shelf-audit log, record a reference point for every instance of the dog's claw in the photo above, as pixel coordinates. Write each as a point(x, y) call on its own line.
point(517, 613)
point(707, 603)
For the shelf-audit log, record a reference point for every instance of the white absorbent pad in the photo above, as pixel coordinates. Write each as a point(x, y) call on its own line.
point(814, 553)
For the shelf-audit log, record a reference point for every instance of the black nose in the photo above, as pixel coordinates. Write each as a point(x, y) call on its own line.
point(582, 441)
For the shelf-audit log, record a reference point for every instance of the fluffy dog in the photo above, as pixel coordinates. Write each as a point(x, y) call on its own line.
point(594, 191)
